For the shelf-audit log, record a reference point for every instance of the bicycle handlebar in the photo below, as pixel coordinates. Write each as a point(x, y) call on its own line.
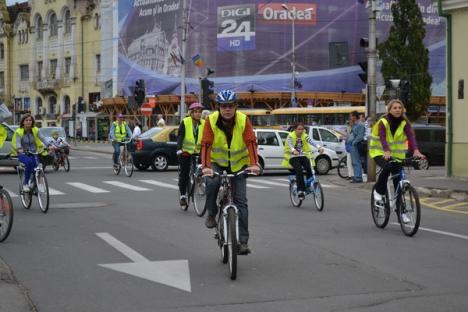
point(232, 175)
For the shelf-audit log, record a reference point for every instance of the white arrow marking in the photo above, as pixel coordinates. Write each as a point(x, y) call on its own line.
point(173, 273)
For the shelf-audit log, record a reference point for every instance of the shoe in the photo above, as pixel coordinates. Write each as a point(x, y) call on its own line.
point(26, 188)
point(183, 200)
point(355, 181)
point(405, 219)
point(243, 249)
point(210, 222)
point(301, 195)
point(377, 197)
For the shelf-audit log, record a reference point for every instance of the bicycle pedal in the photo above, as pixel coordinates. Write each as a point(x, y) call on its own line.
point(216, 236)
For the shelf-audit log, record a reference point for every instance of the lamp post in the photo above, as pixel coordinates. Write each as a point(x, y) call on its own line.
point(293, 58)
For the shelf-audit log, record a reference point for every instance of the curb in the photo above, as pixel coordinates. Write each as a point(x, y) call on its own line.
point(77, 148)
point(461, 196)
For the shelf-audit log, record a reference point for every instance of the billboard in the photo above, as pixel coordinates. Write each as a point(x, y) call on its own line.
point(249, 43)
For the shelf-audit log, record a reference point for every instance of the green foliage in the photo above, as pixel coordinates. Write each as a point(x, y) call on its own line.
point(405, 57)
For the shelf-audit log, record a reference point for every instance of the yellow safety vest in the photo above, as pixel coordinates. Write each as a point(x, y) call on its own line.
point(237, 154)
point(306, 150)
point(37, 141)
point(189, 145)
point(120, 131)
point(3, 135)
point(397, 143)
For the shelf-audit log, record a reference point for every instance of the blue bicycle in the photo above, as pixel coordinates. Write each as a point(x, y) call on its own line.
point(313, 187)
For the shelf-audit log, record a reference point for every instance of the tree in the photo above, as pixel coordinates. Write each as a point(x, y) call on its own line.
point(405, 57)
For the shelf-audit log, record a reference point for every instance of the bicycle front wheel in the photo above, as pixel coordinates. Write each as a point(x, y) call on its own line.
point(198, 196)
point(380, 211)
point(128, 166)
point(6, 214)
point(295, 200)
point(343, 168)
point(26, 197)
point(409, 205)
point(66, 163)
point(232, 244)
point(42, 192)
point(318, 195)
point(56, 165)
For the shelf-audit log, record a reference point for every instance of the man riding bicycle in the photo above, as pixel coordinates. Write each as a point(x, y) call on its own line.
point(298, 155)
point(188, 143)
point(390, 138)
point(27, 139)
point(229, 144)
point(118, 133)
point(59, 145)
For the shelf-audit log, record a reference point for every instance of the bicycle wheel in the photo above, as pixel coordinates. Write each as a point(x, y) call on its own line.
point(56, 165)
point(409, 204)
point(380, 213)
point(318, 196)
point(66, 163)
point(26, 197)
point(198, 196)
point(42, 192)
point(128, 165)
point(232, 244)
point(221, 239)
point(117, 167)
point(295, 200)
point(343, 168)
point(6, 214)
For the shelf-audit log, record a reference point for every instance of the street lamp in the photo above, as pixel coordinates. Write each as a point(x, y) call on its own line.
point(293, 59)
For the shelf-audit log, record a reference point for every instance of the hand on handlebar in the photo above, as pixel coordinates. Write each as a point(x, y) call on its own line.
point(387, 155)
point(417, 154)
point(208, 172)
point(253, 169)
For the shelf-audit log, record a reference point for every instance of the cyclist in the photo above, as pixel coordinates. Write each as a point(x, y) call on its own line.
point(118, 133)
point(298, 155)
point(27, 139)
point(229, 144)
point(188, 143)
point(389, 139)
point(58, 144)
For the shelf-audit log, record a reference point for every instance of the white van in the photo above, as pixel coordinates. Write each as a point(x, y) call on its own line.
point(326, 137)
point(271, 151)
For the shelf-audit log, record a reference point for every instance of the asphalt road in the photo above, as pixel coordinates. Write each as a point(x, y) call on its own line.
point(302, 260)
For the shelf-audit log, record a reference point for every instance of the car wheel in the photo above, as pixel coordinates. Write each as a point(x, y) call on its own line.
point(160, 162)
point(141, 167)
point(322, 165)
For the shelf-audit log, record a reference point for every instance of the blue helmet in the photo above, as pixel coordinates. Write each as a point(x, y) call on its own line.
point(226, 96)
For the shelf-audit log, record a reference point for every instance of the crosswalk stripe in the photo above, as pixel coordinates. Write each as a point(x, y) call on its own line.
point(284, 180)
point(54, 192)
point(88, 188)
point(89, 157)
point(127, 186)
point(257, 186)
point(12, 194)
point(329, 185)
point(162, 184)
point(72, 157)
point(270, 182)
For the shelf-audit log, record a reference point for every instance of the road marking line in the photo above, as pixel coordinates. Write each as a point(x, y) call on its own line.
point(176, 179)
point(329, 185)
point(257, 186)
point(269, 182)
point(90, 168)
point(281, 180)
point(124, 249)
point(89, 157)
point(72, 157)
point(440, 232)
point(127, 186)
point(53, 191)
point(88, 188)
point(423, 201)
point(12, 194)
point(443, 201)
point(162, 184)
point(456, 205)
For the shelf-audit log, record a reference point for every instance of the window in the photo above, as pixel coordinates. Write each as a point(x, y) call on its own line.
point(53, 105)
point(39, 28)
point(267, 138)
point(26, 103)
point(39, 70)
point(315, 134)
point(67, 66)
point(24, 72)
point(53, 25)
point(97, 20)
point(283, 136)
point(2, 80)
point(98, 63)
point(66, 104)
point(327, 136)
point(2, 51)
point(53, 68)
point(38, 105)
point(67, 22)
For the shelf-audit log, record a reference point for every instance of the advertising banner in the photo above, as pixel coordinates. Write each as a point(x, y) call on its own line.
point(236, 27)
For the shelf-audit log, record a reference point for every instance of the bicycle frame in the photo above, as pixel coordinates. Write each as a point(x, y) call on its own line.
point(393, 195)
point(226, 203)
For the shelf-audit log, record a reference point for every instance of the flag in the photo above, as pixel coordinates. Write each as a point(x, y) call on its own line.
point(197, 60)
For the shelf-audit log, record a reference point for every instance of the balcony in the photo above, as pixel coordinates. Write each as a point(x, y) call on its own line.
point(48, 85)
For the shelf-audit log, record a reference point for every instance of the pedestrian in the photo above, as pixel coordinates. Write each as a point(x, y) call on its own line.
point(364, 145)
point(355, 139)
point(160, 121)
point(349, 161)
point(136, 130)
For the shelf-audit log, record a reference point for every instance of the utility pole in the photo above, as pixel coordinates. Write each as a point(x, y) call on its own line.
point(185, 26)
point(371, 79)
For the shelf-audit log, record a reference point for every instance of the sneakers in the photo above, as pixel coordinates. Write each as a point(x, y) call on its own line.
point(26, 188)
point(301, 195)
point(377, 197)
point(210, 222)
point(183, 200)
point(405, 219)
point(243, 249)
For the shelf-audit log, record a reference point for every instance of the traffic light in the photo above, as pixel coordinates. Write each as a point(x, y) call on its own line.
point(364, 42)
point(206, 89)
point(81, 104)
point(363, 75)
point(405, 91)
point(139, 92)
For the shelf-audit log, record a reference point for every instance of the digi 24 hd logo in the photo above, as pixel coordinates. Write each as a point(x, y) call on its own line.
point(236, 27)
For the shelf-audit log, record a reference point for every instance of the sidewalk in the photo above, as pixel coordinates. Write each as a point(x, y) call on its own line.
point(14, 297)
point(105, 148)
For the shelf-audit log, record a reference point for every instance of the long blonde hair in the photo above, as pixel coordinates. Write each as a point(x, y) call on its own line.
point(403, 115)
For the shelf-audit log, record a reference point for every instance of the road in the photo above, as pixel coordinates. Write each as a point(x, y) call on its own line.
point(302, 260)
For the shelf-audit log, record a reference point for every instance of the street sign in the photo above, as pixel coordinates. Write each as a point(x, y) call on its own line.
point(146, 109)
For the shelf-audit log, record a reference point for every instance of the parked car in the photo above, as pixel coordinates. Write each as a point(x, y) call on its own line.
point(431, 142)
point(326, 137)
point(5, 159)
point(271, 150)
point(156, 147)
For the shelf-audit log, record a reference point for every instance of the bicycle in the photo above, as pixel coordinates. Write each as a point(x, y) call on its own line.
point(405, 200)
point(38, 185)
point(343, 168)
point(227, 228)
point(61, 159)
point(312, 187)
point(6, 214)
point(196, 187)
point(125, 160)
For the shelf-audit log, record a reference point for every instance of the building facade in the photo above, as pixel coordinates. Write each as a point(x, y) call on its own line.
point(51, 62)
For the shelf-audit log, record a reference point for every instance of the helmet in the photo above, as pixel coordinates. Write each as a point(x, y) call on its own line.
point(119, 116)
point(226, 96)
point(195, 105)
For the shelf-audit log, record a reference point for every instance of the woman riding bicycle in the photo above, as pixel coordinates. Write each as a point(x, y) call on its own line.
point(390, 138)
point(298, 154)
point(27, 139)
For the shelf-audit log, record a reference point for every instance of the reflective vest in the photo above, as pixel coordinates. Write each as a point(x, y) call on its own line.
point(306, 150)
point(396, 143)
point(3, 135)
point(120, 131)
point(237, 155)
point(189, 145)
point(20, 132)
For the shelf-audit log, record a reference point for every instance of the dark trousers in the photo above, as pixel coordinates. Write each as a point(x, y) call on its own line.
point(387, 168)
point(184, 172)
point(298, 163)
point(363, 154)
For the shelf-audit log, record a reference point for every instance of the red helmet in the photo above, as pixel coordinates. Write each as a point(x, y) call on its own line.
point(195, 105)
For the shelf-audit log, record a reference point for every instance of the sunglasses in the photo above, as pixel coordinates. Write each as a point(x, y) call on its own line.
point(227, 105)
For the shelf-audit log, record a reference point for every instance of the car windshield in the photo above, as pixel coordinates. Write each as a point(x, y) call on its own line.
point(47, 131)
point(150, 133)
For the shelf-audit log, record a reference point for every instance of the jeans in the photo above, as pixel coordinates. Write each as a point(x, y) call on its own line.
point(30, 162)
point(115, 156)
point(363, 153)
point(184, 172)
point(240, 200)
point(298, 163)
point(357, 165)
point(387, 168)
